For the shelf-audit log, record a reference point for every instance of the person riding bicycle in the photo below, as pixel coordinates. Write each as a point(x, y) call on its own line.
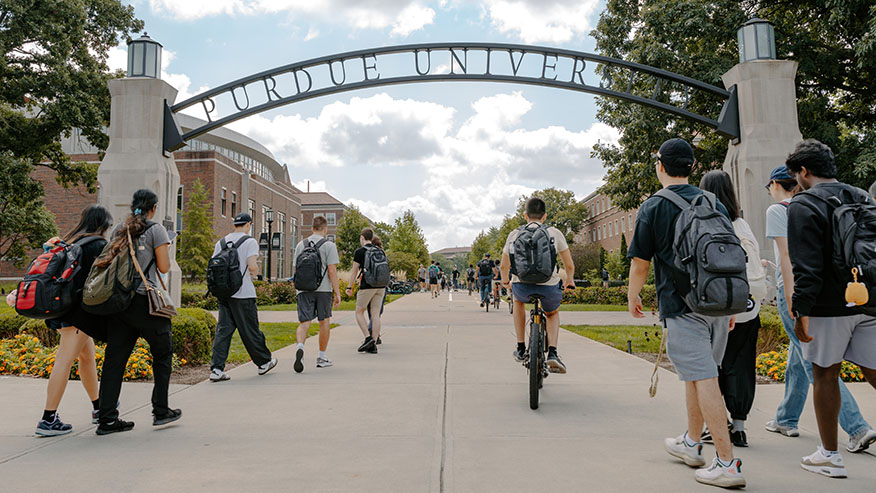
point(497, 282)
point(455, 278)
point(550, 291)
point(486, 271)
point(470, 276)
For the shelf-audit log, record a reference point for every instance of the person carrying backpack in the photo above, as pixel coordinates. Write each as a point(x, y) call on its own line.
point(433, 279)
point(229, 279)
point(150, 243)
point(371, 270)
point(315, 264)
point(486, 271)
point(696, 341)
point(831, 258)
point(736, 376)
point(75, 343)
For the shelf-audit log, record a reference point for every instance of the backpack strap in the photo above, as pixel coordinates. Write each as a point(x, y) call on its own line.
point(673, 197)
point(240, 242)
point(87, 239)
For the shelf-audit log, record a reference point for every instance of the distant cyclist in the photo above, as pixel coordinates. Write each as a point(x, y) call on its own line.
point(486, 272)
point(455, 277)
point(433, 279)
point(497, 281)
point(470, 276)
point(551, 291)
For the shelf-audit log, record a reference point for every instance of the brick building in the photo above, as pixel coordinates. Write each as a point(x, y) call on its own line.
point(606, 223)
point(452, 253)
point(321, 204)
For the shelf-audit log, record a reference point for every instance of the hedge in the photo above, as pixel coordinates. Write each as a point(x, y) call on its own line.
point(597, 295)
point(276, 293)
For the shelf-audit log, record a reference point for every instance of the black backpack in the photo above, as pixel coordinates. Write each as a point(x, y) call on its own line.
point(710, 263)
point(48, 290)
point(308, 267)
point(484, 268)
point(376, 268)
point(224, 278)
point(853, 223)
point(533, 254)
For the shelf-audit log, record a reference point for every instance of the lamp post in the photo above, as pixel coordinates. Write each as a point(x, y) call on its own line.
point(269, 218)
point(144, 57)
point(757, 40)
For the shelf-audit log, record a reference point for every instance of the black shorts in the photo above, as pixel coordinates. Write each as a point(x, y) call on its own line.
point(314, 305)
point(422, 279)
point(433, 280)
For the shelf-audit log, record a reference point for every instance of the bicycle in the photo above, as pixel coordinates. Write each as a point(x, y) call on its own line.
point(470, 286)
point(534, 359)
point(497, 298)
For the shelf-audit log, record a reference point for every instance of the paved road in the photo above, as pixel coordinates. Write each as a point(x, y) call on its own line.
point(441, 408)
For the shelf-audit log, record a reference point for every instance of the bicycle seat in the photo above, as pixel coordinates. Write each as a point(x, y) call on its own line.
point(536, 296)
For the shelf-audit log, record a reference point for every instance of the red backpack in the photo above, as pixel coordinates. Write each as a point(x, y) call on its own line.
point(48, 290)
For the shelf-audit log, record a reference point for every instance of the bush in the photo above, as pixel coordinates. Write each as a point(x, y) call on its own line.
point(196, 296)
point(343, 285)
point(772, 336)
point(598, 295)
point(39, 329)
point(193, 334)
point(283, 293)
point(10, 324)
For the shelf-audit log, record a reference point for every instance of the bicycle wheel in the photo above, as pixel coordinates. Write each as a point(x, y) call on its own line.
point(510, 307)
point(534, 364)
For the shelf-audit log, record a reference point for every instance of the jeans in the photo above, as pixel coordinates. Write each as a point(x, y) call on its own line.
point(798, 377)
point(486, 283)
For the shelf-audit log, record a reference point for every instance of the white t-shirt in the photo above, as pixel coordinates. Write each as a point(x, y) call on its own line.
point(560, 244)
point(328, 252)
point(743, 229)
point(249, 248)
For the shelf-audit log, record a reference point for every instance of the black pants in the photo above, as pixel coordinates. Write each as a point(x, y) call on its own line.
point(242, 315)
point(736, 375)
point(125, 329)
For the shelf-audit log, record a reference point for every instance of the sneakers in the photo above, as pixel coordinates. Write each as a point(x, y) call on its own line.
point(372, 348)
point(706, 437)
point(738, 438)
point(323, 362)
point(379, 341)
point(114, 427)
point(691, 455)
point(267, 366)
point(218, 375)
point(95, 415)
point(555, 364)
point(165, 417)
point(818, 463)
point(862, 441)
point(53, 428)
point(775, 427)
point(299, 366)
point(364, 346)
point(519, 355)
point(725, 476)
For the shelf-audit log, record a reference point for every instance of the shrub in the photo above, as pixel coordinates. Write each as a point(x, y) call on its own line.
point(196, 296)
point(193, 334)
point(39, 329)
point(772, 336)
point(343, 285)
point(10, 324)
point(283, 293)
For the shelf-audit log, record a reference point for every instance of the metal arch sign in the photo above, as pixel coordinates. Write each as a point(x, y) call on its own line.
point(435, 62)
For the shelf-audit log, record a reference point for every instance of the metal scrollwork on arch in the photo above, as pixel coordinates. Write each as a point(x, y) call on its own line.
point(436, 62)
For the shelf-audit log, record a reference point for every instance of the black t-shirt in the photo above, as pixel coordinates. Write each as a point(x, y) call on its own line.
point(455, 275)
point(653, 237)
point(90, 252)
point(359, 257)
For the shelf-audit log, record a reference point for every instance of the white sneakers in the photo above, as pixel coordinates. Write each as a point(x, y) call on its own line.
point(819, 463)
point(218, 375)
point(862, 441)
point(323, 362)
point(691, 455)
point(782, 429)
point(719, 474)
point(267, 366)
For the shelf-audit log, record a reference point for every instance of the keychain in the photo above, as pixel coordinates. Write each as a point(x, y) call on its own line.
point(856, 292)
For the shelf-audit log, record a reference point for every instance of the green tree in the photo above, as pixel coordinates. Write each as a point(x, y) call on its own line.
point(407, 236)
point(483, 243)
point(834, 43)
point(384, 230)
point(347, 238)
point(404, 262)
point(564, 212)
point(196, 238)
point(585, 257)
point(54, 79)
point(24, 221)
point(623, 256)
point(615, 265)
point(602, 255)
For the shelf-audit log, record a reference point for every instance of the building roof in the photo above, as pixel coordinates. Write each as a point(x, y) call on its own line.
point(319, 198)
point(453, 250)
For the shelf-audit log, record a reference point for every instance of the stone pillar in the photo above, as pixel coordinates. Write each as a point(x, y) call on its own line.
point(768, 133)
point(135, 157)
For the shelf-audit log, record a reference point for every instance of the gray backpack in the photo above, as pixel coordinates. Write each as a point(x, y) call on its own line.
point(376, 269)
point(533, 254)
point(709, 270)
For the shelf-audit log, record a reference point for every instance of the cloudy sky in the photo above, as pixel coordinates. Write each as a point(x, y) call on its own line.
point(458, 154)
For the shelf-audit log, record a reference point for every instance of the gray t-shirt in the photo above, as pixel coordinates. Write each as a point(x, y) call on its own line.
point(328, 252)
point(249, 248)
point(777, 227)
point(154, 236)
point(421, 272)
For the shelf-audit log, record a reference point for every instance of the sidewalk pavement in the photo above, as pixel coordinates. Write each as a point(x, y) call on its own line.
point(443, 407)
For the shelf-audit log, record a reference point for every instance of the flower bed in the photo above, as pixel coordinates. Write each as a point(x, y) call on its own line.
point(773, 364)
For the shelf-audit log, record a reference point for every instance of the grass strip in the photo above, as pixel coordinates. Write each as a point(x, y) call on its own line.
point(345, 305)
point(277, 336)
point(644, 338)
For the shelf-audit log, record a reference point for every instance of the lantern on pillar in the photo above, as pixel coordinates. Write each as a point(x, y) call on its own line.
point(757, 41)
point(144, 57)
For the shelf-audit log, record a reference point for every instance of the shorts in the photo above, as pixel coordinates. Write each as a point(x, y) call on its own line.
point(834, 339)
point(552, 296)
point(57, 324)
point(695, 344)
point(422, 280)
point(364, 297)
point(433, 280)
point(314, 305)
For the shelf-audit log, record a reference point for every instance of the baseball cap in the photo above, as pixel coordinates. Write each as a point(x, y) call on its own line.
point(779, 173)
point(486, 255)
point(676, 153)
point(242, 218)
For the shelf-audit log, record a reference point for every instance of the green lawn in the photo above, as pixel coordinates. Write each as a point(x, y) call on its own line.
point(277, 335)
point(345, 305)
point(645, 338)
point(577, 307)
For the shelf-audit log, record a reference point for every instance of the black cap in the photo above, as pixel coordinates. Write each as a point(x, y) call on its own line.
point(242, 218)
point(676, 153)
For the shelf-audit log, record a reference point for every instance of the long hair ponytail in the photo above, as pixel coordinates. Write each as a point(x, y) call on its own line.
point(135, 224)
point(94, 220)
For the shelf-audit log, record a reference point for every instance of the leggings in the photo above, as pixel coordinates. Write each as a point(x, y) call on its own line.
point(736, 376)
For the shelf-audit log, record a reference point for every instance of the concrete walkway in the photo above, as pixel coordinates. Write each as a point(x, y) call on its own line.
point(443, 407)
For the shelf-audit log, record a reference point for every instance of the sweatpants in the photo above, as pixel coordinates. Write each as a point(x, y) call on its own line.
point(736, 376)
point(241, 315)
point(125, 329)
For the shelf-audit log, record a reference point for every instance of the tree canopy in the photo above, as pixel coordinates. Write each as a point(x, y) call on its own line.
point(407, 236)
point(196, 238)
point(347, 238)
point(833, 41)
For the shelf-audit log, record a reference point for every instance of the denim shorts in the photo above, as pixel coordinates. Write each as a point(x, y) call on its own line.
point(57, 324)
point(552, 296)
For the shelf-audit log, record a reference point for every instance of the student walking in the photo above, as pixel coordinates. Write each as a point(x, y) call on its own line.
point(316, 278)
point(74, 342)
point(829, 330)
point(798, 373)
point(736, 376)
point(150, 242)
point(371, 271)
point(237, 310)
point(421, 275)
point(433, 279)
point(486, 271)
point(376, 241)
point(696, 342)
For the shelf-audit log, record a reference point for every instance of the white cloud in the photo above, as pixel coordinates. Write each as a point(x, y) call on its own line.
point(554, 21)
point(312, 33)
point(413, 18)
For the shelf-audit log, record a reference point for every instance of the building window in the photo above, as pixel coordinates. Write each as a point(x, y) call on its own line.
point(624, 224)
point(179, 208)
point(252, 215)
point(616, 231)
point(224, 200)
point(598, 234)
point(264, 222)
point(630, 220)
point(330, 218)
point(281, 254)
point(293, 229)
point(233, 204)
